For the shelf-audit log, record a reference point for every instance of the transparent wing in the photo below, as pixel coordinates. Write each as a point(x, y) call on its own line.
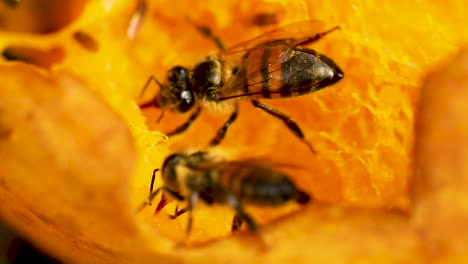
point(254, 74)
point(282, 72)
point(205, 165)
point(218, 163)
point(294, 34)
point(265, 162)
point(257, 73)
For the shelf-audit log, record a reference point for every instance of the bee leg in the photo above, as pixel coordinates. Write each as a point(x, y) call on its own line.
point(236, 223)
point(178, 212)
point(293, 127)
point(191, 204)
point(204, 30)
point(222, 130)
point(185, 125)
point(151, 102)
point(150, 199)
point(317, 37)
point(240, 216)
point(163, 202)
point(151, 186)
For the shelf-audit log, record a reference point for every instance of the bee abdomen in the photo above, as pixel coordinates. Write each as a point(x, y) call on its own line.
point(281, 71)
point(307, 71)
point(265, 187)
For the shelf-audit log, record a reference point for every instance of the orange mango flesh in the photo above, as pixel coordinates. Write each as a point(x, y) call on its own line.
point(361, 127)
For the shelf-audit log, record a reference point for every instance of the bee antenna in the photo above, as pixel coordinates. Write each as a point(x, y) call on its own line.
point(151, 78)
point(206, 31)
point(152, 102)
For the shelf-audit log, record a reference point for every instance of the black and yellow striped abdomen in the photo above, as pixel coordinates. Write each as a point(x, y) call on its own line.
point(277, 70)
point(258, 185)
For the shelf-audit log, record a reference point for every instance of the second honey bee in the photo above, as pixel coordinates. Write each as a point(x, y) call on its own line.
point(199, 175)
point(274, 65)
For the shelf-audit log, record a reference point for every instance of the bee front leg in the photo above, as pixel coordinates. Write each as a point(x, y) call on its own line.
point(163, 202)
point(149, 200)
point(222, 130)
point(151, 186)
point(178, 212)
point(293, 127)
point(185, 125)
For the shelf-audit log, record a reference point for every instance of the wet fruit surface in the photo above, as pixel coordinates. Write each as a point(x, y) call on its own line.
point(362, 129)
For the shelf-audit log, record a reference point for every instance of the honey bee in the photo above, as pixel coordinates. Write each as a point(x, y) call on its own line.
point(273, 65)
point(199, 175)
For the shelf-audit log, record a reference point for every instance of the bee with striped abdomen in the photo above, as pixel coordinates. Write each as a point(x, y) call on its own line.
point(216, 181)
point(274, 65)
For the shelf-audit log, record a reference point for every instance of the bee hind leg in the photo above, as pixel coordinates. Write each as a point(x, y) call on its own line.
point(240, 216)
point(222, 130)
point(193, 198)
point(191, 204)
point(293, 127)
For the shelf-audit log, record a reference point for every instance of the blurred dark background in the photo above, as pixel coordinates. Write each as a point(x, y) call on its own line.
point(15, 249)
point(37, 17)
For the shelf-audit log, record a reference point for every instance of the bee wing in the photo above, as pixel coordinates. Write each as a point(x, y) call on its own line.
point(265, 162)
point(207, 165)
point(294, 34)
point(255, 79)
point(300, 33)
point(271, 73)
point(258, 161)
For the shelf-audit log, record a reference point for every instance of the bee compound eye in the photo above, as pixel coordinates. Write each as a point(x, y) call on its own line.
point(177, 73)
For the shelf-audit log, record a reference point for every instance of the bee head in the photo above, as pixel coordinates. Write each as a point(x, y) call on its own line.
point(177, 91)
point(169, 169)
